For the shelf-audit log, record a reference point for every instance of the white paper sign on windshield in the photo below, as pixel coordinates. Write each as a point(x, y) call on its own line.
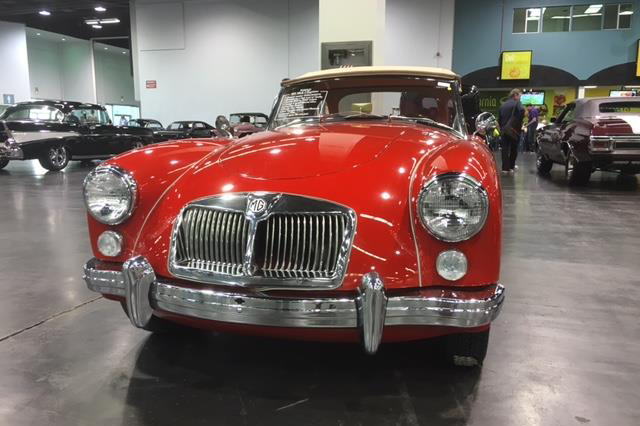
point(301, 103)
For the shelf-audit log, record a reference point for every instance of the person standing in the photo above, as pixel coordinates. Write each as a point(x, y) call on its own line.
point(532, 127)
point(510, 117)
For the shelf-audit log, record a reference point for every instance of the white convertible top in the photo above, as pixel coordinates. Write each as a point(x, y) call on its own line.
point(373, 70)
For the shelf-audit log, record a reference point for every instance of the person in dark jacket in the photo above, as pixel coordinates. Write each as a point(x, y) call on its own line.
point(510, 118)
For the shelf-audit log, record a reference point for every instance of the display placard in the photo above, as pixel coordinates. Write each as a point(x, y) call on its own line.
point(516, 65)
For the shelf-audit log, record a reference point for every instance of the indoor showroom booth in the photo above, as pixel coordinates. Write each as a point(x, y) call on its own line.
point(319, 212)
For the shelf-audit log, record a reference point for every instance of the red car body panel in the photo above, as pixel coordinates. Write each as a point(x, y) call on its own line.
point(375, 168)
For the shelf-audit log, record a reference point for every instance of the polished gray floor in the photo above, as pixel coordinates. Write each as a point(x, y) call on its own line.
point(565, 351)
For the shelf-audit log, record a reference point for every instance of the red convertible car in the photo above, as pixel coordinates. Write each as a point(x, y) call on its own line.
point(333, 224)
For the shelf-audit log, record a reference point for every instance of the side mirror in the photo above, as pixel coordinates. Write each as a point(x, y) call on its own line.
point(553, 119)
point(485, 122)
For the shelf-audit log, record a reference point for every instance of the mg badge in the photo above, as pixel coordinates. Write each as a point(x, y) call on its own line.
point(257, 205)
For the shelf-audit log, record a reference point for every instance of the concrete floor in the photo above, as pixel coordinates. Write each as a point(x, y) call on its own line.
point(565, 351)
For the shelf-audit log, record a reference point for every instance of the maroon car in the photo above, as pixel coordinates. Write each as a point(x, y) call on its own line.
point(247, 123)
point(592, 134)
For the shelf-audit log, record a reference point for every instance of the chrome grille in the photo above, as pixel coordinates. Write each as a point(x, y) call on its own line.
point(212, 240)
point(303, 245)
point(265, 240)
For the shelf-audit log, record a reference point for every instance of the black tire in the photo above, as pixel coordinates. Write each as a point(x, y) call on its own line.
point(3, 163)
point(55, 158)
point(543, 164)
point(467, 349)
point(577, 173)
point(156, 324)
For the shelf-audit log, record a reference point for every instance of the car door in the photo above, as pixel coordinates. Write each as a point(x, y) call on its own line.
point(556, 133)
point(87, 120)
point(110, 139)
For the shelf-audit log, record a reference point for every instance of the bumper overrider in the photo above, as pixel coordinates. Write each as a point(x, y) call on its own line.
point(370, 310)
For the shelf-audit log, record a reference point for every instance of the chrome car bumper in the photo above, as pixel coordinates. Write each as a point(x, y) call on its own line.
point(371, 310)
point(12, 151)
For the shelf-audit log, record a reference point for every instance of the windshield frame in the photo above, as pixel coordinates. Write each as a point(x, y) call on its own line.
point(460, 131)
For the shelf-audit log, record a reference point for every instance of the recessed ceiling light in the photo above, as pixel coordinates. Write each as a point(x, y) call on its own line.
point(37, 33)
point(106, 48)
point(124, 53)
point(64, 39)
point(44, 13)
point(100, 9)
point(97, 26)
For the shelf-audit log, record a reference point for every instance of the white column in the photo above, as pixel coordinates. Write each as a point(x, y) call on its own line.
point(14, 73)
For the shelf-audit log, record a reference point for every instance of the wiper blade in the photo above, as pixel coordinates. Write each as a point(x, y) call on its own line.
point(352, 115)
point(422, 120)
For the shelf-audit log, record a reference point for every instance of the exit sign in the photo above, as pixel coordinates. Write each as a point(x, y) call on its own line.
point(151, 84)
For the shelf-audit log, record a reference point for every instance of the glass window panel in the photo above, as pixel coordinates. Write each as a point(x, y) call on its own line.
point(610, 17)
point(587, 17)
point(626, 12)
point(556, 19)
point(518, 20)
point(533, 20)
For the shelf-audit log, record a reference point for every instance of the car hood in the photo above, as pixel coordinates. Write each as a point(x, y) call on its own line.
point(312, 150)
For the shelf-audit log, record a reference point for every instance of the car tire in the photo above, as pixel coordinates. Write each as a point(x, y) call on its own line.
point(3, 163)
point(577, 173)
point(55, 158)
point(543, 164)
point(156, 324)
point(467, 349)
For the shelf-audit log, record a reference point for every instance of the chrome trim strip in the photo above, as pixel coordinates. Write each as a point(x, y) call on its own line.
point(371, 310)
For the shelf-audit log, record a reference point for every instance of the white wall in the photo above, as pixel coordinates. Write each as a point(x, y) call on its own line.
point(45, 68)
point(14, 71)
point(220, 56)
point(355, 20)
point(114, 81)
point(419, 32)
point(77, 73)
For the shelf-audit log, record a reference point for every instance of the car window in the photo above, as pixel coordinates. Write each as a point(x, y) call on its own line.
point(198, 125)
point(91, 116)
point(154, 125)
point(133, 123)
point(261, 121)
point(175, 126)
point(567, 114)
point(33, 113)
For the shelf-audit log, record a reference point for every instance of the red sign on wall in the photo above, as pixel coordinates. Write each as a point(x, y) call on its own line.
point(151, 84)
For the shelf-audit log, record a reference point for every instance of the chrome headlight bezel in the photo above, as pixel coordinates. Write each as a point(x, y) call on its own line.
point(128, 181)
point(460, 178)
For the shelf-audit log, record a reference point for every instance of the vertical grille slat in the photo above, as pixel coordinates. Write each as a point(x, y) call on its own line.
point(212, 240)
point(303, 245)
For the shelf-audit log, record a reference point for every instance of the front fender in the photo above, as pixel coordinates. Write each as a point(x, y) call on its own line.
point(155, 169)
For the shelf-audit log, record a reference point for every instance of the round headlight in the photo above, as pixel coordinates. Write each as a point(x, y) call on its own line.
point(110, 194)
point(451, 265)
point(453, 207)
point(110, 243)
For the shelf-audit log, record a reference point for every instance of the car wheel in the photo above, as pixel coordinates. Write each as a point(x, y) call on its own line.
point(467, 349)
point(3, 163)
point(543, 164)
point(156, 324)
point(55, 158)
point(577, 173)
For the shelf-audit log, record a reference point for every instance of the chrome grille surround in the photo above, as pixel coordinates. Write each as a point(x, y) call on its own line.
point(269, 241)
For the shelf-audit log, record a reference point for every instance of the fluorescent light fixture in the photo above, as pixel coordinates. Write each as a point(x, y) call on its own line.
point(584, 15)
point(44, 13)
point(102, 21)
point(594, 8)
point(533, 13)
point(100, 9)
point(589, 87)
point(561, 17)
point(97, 26)
point(626, 12)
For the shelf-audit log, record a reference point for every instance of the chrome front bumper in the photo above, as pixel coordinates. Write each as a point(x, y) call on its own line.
point(12, 151)
point(370, 310)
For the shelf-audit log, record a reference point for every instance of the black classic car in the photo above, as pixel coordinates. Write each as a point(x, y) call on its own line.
point(592, 134)
point(187, 130)
point(56, 132)
point(147, 123)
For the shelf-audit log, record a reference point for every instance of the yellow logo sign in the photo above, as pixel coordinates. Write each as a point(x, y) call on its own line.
point(516, 65)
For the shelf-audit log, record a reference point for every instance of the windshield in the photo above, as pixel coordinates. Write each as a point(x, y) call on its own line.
point(32, 113)
point(426, 100)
